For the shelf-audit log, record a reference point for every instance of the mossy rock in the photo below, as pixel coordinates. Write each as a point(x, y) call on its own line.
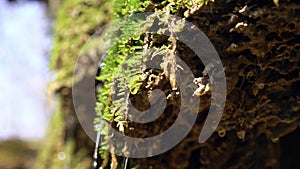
point(258, 43)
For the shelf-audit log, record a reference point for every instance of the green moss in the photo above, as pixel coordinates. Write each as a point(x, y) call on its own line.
point(47, 157)
point(76, 22)
point(124, 53)
point(125, 60)
point(56, 152)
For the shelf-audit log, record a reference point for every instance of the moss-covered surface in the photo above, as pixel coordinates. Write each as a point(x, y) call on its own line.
point(76, 21)
point(258, 43)
point(66, 145)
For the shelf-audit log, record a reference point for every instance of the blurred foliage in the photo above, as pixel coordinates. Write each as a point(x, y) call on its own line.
point(17, 154)
point(53, 144)
point(66, 145)
point(76, 21)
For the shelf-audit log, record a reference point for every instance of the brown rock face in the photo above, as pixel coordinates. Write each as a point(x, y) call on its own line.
point(259, 46)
